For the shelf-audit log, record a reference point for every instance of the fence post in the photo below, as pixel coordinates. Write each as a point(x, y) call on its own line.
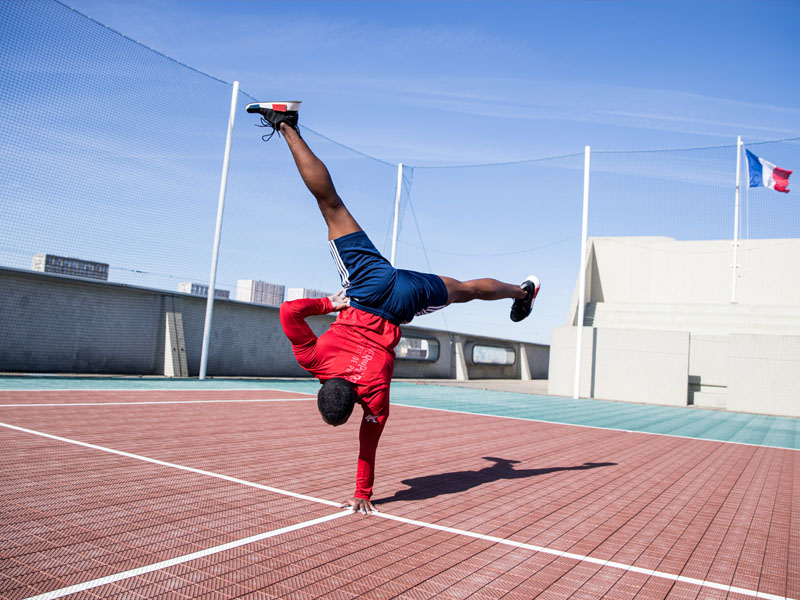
point(397, 195)
point(212, 279)
point(582, 273)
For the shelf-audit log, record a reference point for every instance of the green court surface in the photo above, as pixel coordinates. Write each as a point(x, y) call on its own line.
point(306, 386)
point(763, 430)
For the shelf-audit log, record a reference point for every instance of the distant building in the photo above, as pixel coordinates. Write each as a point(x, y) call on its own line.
point(297, 293)
point(199, 289)
point(259, 292)
point(88, 269)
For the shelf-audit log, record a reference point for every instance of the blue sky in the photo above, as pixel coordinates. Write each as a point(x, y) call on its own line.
point(424, 83)
point(482, 81)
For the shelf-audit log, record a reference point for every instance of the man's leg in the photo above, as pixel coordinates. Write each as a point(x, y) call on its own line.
point(318, 181)
point(491, 289)
point(481, 289)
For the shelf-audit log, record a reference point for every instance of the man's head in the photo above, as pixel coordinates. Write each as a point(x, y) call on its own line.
point(335, 401)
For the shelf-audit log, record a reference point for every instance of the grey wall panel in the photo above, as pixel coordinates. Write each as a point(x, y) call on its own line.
point(58, 324)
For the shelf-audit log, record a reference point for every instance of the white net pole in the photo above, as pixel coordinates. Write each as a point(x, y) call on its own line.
point(397, 195)
point(582, 274)
point(212, 280)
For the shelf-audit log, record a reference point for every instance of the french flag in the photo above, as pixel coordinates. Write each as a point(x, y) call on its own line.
point(764, 173)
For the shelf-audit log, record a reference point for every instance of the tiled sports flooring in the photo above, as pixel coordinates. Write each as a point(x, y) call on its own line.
point(213, 493)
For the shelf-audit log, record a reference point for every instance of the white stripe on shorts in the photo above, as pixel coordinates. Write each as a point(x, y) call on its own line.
point(429, 310)
point(343, 273)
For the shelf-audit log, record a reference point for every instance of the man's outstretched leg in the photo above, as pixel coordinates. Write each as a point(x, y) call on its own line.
point(492, 289)
point(312, 170)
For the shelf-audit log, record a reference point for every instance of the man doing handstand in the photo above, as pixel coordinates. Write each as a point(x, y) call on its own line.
point(354, 359)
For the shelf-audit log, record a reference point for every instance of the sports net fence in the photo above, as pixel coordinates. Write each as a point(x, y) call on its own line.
point(111, 155)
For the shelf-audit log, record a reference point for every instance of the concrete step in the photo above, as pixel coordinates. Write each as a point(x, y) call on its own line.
point(712, 319)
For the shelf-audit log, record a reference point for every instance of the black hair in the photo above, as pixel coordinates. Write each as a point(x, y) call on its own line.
point(335, 400)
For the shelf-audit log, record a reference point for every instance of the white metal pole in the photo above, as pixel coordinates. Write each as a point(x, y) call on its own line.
point(735, 265)
point(582, 273)
point(212, 280)
point(397, 195)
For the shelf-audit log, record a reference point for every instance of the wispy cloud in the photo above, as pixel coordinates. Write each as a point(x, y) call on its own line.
point(625, 106)
point(446, 67)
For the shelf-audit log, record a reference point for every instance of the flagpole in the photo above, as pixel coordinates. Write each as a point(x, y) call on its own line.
point(735, 265)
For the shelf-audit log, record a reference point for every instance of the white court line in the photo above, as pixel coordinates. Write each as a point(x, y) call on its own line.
point(173, 465)
point(588, 559)
point(137, 402)
point(600, 427)
point(87, 585)
point(496, 540)
point(161, 389)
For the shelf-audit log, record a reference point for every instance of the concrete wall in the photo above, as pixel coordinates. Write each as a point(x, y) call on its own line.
point(622, 364)
point(764, 375)
point(561, 375)
point(709, 365)
point(741, 372)
point(59, 324)
point(664, 270)
point(51, 323)
point(710, 327)
point(660, 284)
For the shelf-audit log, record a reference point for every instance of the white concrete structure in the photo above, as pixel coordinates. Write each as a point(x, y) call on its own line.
point(259, 292)
point(661, 298)
point(622, 364)
point(660, 270)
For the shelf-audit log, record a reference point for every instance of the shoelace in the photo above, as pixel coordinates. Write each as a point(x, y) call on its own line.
point(268, 136)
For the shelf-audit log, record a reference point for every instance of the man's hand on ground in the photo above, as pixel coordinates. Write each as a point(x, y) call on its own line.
point(339, 301)
point(361, 505)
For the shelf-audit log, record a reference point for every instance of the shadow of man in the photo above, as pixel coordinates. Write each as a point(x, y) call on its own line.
point(431, 486)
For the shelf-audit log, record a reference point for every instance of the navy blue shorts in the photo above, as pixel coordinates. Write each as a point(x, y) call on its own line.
point(374, 285)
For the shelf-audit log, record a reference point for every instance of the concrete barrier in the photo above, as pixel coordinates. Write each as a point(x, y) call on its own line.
point(764, 375)
point(742, 355)
point(632, 365)
point(60, 324)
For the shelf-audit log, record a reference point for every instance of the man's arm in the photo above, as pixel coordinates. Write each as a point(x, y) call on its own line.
point(293, 315)
point(293, 318)
point(368, 437)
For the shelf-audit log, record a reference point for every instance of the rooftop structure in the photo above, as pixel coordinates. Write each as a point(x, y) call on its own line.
point(200, 289)
point(259, 292)
point(297, 293)
point(63, 265)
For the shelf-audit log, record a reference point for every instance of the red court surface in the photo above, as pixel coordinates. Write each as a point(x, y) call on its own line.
point(224, 494)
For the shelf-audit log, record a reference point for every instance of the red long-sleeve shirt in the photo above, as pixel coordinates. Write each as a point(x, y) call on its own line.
point(358, 347)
